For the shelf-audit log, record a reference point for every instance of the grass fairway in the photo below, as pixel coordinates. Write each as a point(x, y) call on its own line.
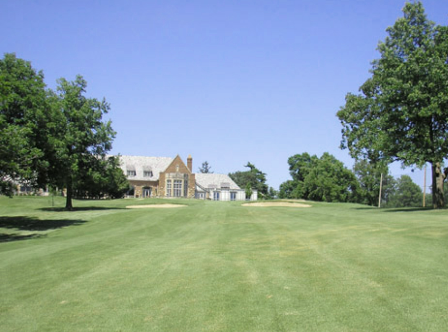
point(219, 266)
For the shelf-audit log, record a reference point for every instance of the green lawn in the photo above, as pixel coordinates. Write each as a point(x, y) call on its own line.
point(218, 266)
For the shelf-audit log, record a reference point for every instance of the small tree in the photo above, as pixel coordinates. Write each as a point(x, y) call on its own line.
point(248, 191)
point(205, 168)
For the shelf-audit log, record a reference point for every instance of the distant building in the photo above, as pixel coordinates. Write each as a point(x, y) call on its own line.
point(168, 177)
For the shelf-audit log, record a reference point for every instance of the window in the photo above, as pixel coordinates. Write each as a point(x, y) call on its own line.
point(216, 195)
point(185, 188)
point(177, 188)
point(233, 196)
point(131, 173)
point(147, 174)
point(168, 188)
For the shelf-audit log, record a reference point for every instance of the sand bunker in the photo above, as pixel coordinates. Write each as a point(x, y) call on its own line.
point(270, 204)
point(156, 206)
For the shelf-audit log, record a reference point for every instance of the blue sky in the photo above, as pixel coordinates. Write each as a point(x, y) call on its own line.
point(225, 81)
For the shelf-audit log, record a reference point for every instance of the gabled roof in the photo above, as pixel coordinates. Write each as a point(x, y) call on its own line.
point(141, 164)
point(211, 180)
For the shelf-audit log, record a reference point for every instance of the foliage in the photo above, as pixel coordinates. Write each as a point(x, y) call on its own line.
point(23, 123)
point(248, 191)
point(81, 139)
point(254, 177)
point(205, 168)
point(272, 193)
point(402, 111)
point(104, 178)
point(407, 193)
point(369, 178)
point(319, 179)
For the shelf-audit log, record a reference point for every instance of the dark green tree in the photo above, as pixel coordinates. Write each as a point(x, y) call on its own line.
point(205, 168)
point(248, 191)
point(287, 190)
point(401, 113)
point(103, 178)
point(254, 177)
point(272, 193)
point(80, 140)
point(369, 178)
point(407, 193)
point(24, 122)
point(320, 179)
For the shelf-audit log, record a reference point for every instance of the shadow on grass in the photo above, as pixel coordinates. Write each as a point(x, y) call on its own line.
point(389, 209)
point(409, 209)
point(17, 237)
point(82, 208)
point(32, 224)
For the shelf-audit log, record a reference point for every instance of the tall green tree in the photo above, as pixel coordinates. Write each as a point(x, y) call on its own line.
point(407, 193)
point(103, 178)
point(81, 139)
point(369, 176)
point(320, 179)
point(254, 177)
point(401, 113)
point(24, 122)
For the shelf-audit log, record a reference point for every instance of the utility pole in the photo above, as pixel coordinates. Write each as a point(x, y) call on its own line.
point(381, 188)
point(424, 187)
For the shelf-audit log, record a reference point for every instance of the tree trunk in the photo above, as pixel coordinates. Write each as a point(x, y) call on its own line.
point(68, 202)
point(438, 177)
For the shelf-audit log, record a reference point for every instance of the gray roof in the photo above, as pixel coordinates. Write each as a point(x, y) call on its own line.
point(140, 164)
point(212, 180)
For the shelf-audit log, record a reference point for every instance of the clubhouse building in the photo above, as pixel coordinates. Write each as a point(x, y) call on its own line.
point(168, 177)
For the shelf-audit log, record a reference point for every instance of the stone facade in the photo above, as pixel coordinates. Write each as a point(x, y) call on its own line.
point(168, 177)
point(177, 180)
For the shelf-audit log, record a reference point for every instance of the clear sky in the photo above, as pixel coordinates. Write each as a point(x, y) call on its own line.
point(225, 81)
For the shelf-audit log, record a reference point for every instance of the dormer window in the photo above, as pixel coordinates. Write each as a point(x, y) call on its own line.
point(147, 171)
point(130, 170)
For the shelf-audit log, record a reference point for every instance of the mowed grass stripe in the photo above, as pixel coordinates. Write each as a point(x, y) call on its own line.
point(217, 266)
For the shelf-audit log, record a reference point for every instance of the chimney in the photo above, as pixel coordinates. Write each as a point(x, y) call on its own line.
point(190, 163)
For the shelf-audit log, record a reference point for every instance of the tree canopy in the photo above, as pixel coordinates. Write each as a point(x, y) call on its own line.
point(81, 139)
point(255, 178)
point(401, 112)
point(54, 138)
point(406, 194)
point(23, 123)
point(319, 179)
point(369, 176)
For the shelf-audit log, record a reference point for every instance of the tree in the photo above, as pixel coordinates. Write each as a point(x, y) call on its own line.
point(104, 178)
point(401, 113)
point(23, 124)
point(81, 139)
point(205, 168)
point(319, 179)
point(254, 177)
point(369, 178)
point(407, 193)
point(248, 191)
point(272, 193)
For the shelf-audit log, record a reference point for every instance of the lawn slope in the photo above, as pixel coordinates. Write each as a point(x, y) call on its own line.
point(220, 266)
